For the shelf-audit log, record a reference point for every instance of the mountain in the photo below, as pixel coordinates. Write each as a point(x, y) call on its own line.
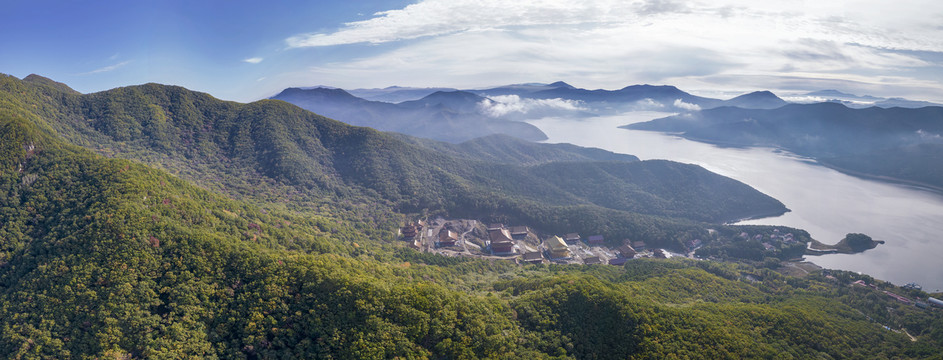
point(504, 149)
point(520, 89)
point(634, 97)
point(904, 103)
point(459, 101)
point(431, 117)
point(396, 94)
point(239, 148)
point(756, 100)
point(904, 140)
point(864, 101)
point(835, 94)
point(114, 258)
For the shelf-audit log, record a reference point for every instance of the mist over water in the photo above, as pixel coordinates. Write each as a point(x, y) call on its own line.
point(824, 202)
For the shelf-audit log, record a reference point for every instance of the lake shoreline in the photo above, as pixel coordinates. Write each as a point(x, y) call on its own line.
point(862, 175)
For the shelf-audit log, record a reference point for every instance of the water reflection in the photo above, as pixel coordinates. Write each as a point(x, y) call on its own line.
point(824, 202)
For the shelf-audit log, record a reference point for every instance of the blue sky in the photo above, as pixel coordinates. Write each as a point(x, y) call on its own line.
point(246, 50)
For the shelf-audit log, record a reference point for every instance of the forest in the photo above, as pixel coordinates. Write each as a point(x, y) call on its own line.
point(140, 229)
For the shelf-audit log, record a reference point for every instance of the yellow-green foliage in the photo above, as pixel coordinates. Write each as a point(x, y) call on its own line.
point(109, 258)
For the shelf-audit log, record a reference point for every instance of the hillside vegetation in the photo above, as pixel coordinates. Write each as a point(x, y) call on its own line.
point(274, 153)
point(113, 258)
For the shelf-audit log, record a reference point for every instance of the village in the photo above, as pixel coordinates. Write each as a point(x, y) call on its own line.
point(521, 244)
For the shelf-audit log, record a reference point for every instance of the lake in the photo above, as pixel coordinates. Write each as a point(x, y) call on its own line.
point(824, 202)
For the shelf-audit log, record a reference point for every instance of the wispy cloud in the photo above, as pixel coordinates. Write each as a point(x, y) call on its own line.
point(107, 68)
point(253, 60)
point(502, 105)
point(613, 43)
point(440, 17)
point(871, 23)
point(686, 106)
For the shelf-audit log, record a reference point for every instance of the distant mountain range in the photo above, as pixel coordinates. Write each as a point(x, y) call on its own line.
point(900, 143)
point(460, 115)
point(863, 101)
point(446, 116)
point(153, 221)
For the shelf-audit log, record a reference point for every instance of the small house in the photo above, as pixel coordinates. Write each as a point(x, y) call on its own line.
point(519, 232)
point(592, 260)
point(533, 257)
point(495, 226)
point(626, 251)
point(595, 240)
point(501, 242)
point(638, 245)
point(410, 231)
point(572, 238)
point(935, 302)
point(447, 238)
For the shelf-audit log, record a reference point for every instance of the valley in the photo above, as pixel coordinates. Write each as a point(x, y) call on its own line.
point(466, 179)
point(154, 221)
point(824, 202)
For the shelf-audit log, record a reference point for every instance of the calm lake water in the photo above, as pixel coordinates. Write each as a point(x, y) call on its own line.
point(824, 202)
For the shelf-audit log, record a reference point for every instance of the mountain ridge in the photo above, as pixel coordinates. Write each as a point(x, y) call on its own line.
point(111, 258)
point(850, 139)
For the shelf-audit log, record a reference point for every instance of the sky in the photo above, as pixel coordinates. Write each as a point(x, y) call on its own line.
point(248, 50)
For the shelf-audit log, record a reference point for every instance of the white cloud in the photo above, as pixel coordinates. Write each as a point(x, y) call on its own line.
point(686, 106)
point(647, 104)
point(871, 23)
point(107, 68)
point(440, 17)
point(613, 43)
point(924, 135)
point(497, 106)
point(253, 60)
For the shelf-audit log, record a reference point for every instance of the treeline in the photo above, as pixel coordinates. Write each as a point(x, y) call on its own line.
point(279, 156)
point(109, 258)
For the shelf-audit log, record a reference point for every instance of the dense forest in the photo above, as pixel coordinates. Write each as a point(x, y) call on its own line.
point(277, 155)
point(138, 254)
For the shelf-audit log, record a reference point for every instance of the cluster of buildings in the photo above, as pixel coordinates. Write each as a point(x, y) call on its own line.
point(510, 241)
point(931, 301)
point(410, 232)
point(554, 248)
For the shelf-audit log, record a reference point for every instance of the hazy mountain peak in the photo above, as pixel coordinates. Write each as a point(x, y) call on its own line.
point(562, 84)
point(764, 99)
point(457, 94)
point(321, 91)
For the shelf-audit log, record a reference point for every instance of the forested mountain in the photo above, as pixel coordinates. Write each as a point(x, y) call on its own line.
point(275, 151)
point(898, 143)
point(445, 116)
point(505, 149)
point(114, 258)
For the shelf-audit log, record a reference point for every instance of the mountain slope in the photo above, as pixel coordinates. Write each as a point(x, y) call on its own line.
point(395, 94)
point(108, 258)
point(270, 151)
point(433, 117)
point(830, 132)
point(756, 100)
point(504, 149)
